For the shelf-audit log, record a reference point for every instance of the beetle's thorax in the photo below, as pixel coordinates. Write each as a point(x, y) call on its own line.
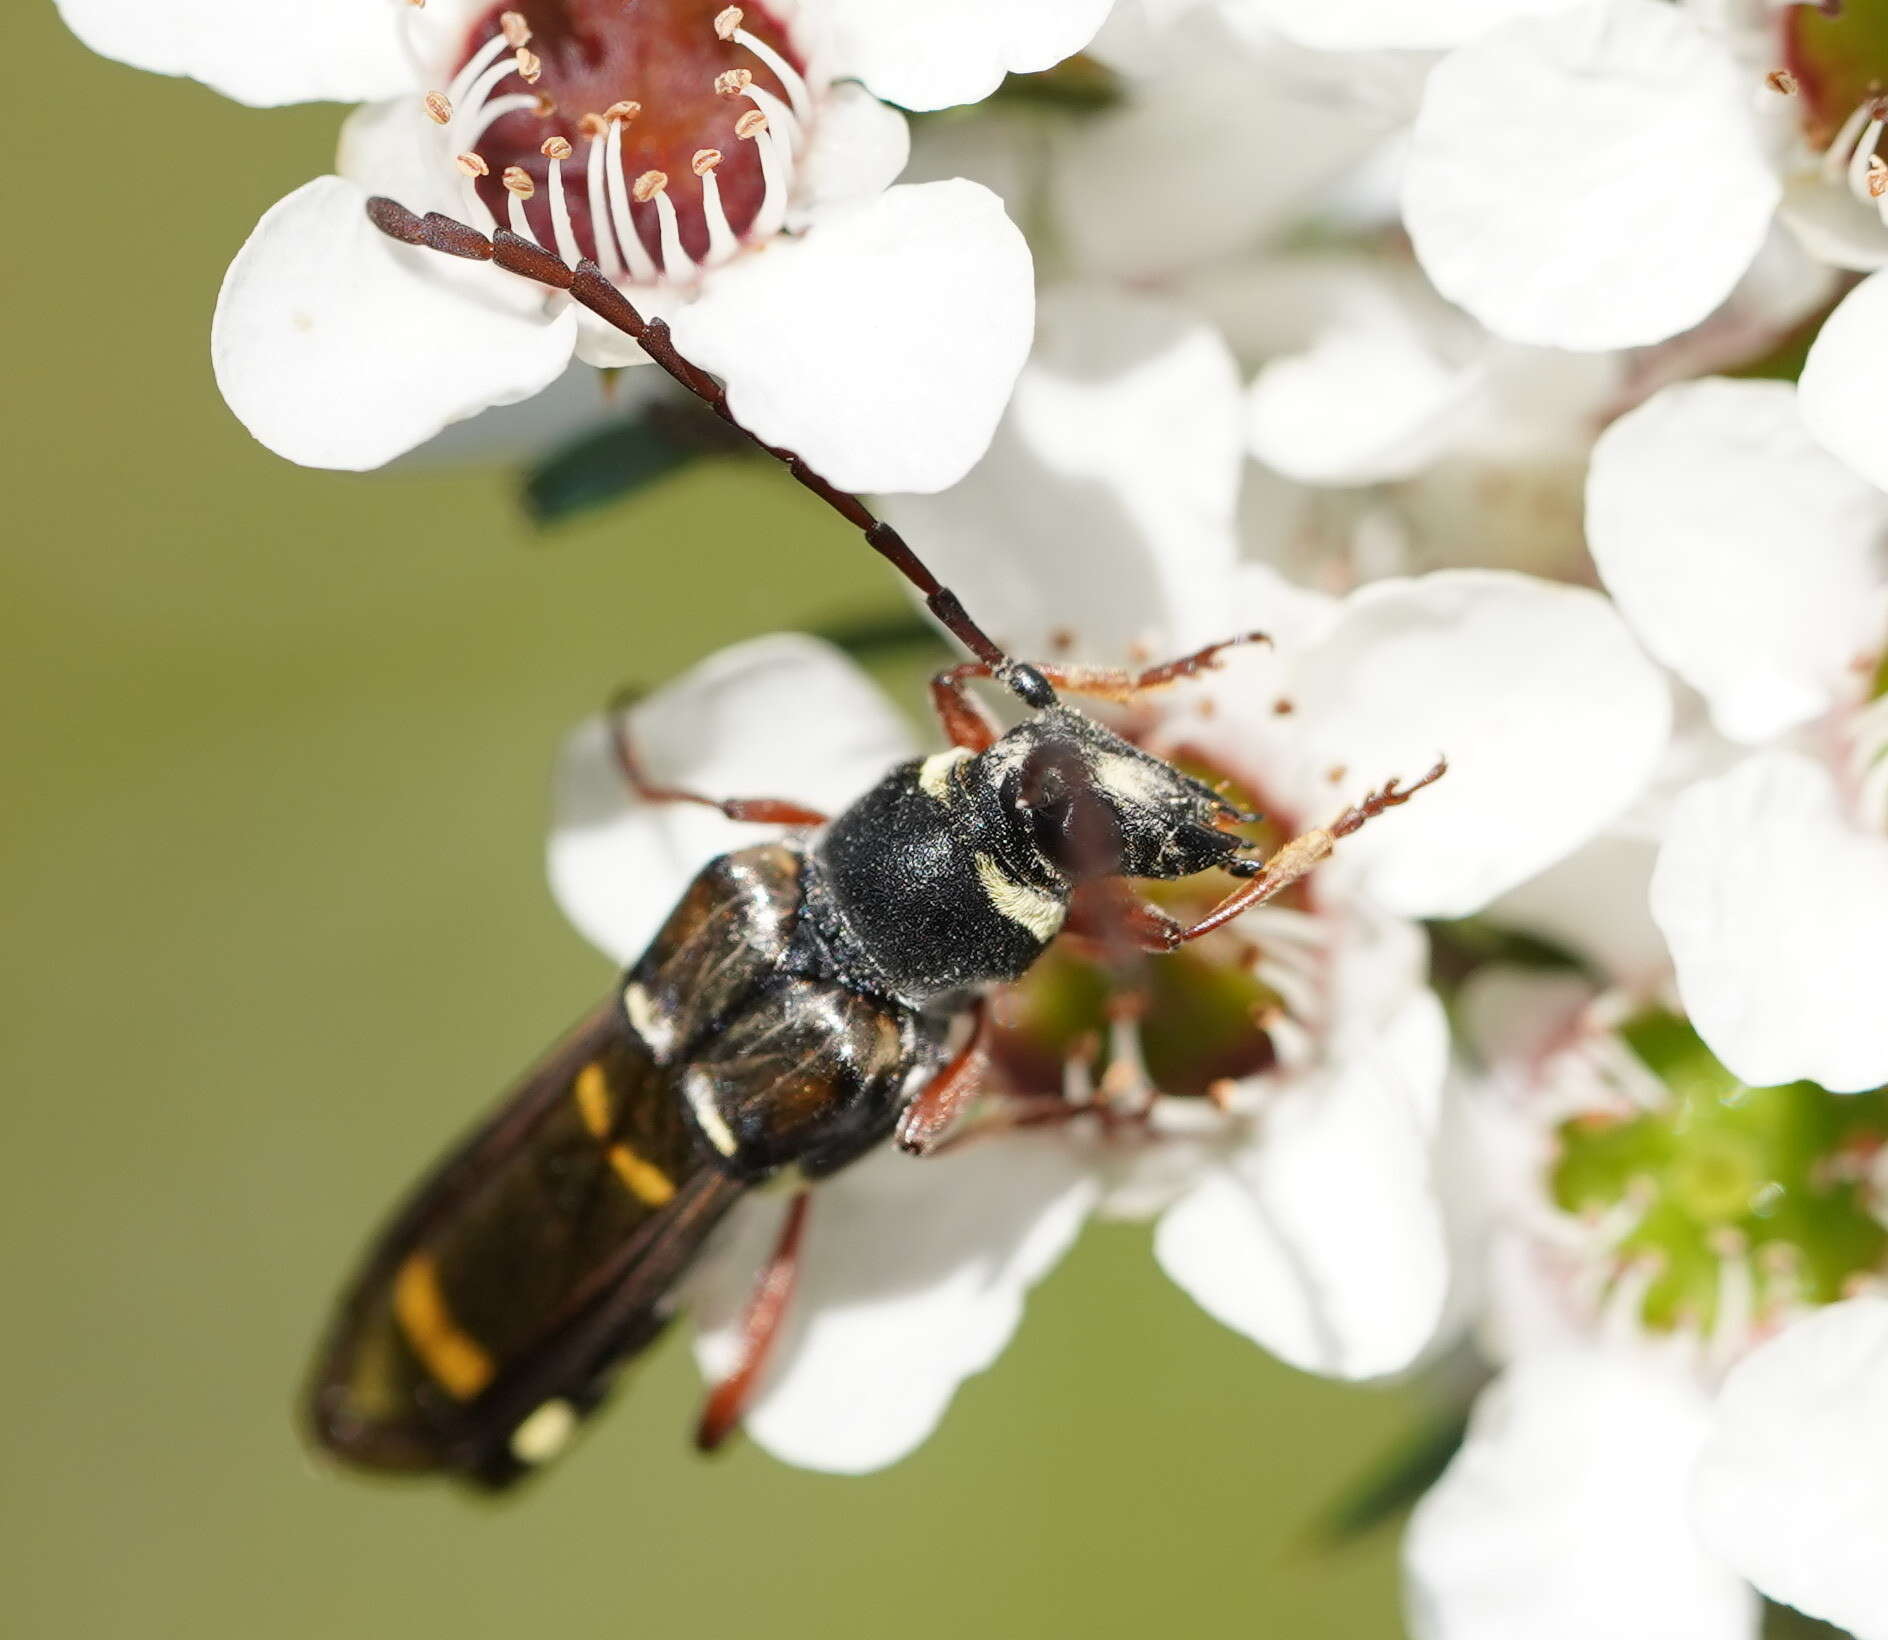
point(954, 873)
point(927, 890)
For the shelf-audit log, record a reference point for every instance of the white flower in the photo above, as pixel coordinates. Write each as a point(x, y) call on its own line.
point(1289, 1163)
point(1755, 565)
point(1635, 1248)
point(1600, 176)
point(722, 169)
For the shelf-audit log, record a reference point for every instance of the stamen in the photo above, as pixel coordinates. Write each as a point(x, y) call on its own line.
point(677, 264)
point(1125, 1085)
point(557, 150)
point(722, 242)
point(516, 30)
point(1737, 1300)
point(476, 64)
point(1623, 1312)
point(596, 128)
point(752, 127)
point(438, 107)
point(472, 165)
point(789, 76)
point(520, 187)
point(636, 258)
point(1858, 167)
point(780, 120)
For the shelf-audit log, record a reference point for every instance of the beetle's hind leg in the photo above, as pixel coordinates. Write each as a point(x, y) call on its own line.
point(771, 811)
point(760, 1327)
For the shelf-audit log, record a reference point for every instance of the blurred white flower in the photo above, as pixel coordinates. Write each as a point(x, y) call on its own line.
point(718, 164)
point(1601, 176)
point(1644, 1224)
point(1755, 565)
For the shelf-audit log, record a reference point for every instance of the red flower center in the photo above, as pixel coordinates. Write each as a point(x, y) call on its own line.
point(648, 135)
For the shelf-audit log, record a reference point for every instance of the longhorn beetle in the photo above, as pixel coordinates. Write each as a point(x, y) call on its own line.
point(806, 1000)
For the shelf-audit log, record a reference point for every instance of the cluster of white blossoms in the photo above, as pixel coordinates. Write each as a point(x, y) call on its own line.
point(1513, 364)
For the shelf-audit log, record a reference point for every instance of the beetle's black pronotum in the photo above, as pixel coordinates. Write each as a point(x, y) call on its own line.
point(806, 999)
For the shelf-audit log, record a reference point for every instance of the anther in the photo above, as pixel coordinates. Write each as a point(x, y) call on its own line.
point(517, 30)
point(621, 112)
point(592, 126)
point(1782, 82)
point(438, 107)
point(705, 160)
point(472, 165)
point(530, 67)
point(750, 125)
point(1876, 181)
point(726, 22)
point(733, 82)
point(648, 185)
point(556, 148)
point(517, 180)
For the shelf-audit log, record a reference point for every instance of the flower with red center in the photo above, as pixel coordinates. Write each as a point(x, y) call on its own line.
point(722, 163)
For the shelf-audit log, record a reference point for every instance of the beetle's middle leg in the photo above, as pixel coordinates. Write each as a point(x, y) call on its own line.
point(929, 1116)
point(760, 1326)
point(772, 811)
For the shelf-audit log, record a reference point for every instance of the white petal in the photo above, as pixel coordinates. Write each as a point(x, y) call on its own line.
point(883, 345)
point(337, 347)
point(924, 55)
point(856, 149)
point(1203, 161)
point(1774, 904)
point(912, 1278)
point(261, 52)
point(1550, 716)
point(1744, 556)
point(1595, 904)
point(1362, 405)
point(1833, 225)
point(1564, 1517)
point(783, 716)
point(1105, 507)
point(1792, 1489)
point(1387, 25)
point(1323, 1240)
point(1838, 383)
point(1589, 179)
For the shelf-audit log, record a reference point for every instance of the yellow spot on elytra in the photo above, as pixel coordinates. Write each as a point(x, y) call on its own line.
point(453, 1357)
point(592, 1092)
point(642, 1176)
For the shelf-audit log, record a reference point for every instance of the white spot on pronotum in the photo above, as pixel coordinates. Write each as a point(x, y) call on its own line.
point(934, 773)
point(545, 1433)
point(1028, 907)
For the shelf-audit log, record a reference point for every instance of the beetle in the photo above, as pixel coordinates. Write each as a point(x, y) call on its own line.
point(808, 999)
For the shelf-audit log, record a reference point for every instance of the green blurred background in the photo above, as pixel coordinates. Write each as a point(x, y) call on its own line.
point(275, 744)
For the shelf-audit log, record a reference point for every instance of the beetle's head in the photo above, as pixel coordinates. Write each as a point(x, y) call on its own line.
point(1095, 805)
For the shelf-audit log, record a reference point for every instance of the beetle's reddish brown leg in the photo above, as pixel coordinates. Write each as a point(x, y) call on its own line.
point(772, 811)
point(760, 1326)
point(929, 1116)
point(1293, 860)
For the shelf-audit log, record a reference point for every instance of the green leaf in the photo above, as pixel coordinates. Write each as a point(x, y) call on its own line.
point(614, 461)
point(1387, 1492)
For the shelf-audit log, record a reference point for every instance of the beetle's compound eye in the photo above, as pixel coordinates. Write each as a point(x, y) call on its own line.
point(1028, 685)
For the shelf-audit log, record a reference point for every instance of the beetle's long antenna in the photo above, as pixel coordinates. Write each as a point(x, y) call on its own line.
point(587, 283)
